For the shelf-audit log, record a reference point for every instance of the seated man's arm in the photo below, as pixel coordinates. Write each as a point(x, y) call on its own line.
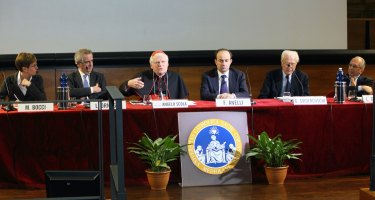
point(206, 89)
point(243, 91)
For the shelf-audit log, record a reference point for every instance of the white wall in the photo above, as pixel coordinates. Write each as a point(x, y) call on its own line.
point(58, 26)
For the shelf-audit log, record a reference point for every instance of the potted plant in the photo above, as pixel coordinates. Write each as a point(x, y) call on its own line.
point(274, 152)
point(157, 154)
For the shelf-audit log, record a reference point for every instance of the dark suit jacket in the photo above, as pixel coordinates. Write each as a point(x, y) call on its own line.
point(273, 84)
point(362, 80)
point(76, 85)
point(35, 92)
point(210, 84)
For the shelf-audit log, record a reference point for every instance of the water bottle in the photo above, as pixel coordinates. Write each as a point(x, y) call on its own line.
point(340, 87)
point(63, 80)
point(63, 92)
point(340, 75)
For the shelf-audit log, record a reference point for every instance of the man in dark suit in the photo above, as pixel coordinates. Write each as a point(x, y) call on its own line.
point(25, 84)
point(354, 79)
point(86, 83)
point(287, 79)
point(223, 82)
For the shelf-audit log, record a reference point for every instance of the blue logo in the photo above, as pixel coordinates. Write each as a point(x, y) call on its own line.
point(216, 148)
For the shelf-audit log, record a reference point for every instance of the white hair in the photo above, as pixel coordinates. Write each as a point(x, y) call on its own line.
point(289, 53)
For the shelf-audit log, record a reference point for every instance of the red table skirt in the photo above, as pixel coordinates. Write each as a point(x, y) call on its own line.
point(336, 138)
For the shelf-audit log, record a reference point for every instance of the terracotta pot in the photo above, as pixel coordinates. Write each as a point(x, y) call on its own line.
point(276, 175)
point(158, 180)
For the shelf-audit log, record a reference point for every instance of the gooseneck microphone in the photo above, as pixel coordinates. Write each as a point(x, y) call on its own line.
point(300, 83)
point(8, 107)
point(249, 86)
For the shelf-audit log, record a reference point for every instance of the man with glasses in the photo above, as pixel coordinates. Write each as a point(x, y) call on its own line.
point(288, 79)
point(354, 79)
point(157, 82)
point(86, 83)
point(223, 82)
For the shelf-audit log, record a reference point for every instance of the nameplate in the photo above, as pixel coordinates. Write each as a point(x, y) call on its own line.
point(35, 107)
point(105, 105)
point(310, 100)
point(233, 102)
point(170, 104)
point(367, 98)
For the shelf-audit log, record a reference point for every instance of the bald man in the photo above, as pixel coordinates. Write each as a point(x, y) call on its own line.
point(223, 82)
point(354, 78)
point(157, 81)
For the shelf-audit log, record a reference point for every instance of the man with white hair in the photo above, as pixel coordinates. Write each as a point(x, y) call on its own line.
point(157, 82)
point(285, 79)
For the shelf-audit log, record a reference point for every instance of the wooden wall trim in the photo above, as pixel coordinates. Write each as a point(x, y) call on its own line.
point(196, 58)
point(320, 65)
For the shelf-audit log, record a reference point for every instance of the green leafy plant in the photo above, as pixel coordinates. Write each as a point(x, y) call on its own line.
point(157, 153)
point(274, 151)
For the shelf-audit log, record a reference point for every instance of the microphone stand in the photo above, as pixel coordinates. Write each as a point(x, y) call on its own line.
point(300, 83)
point(8, 107)
point(372, 164)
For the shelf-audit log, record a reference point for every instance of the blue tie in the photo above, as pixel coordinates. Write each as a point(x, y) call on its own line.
point(224, 85)
point(85, 81)
point(287, 86)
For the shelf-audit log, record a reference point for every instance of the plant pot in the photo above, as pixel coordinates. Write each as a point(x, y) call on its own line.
point(276, 175)
point(158, 180)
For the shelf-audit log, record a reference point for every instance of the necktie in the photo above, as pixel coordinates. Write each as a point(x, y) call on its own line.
point(224, 85)
point(287, 86)
point(85, 81)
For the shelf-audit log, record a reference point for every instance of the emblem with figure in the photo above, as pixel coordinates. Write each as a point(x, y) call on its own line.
point(216, 146)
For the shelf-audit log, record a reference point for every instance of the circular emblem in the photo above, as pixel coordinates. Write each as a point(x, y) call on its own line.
point(216, 146)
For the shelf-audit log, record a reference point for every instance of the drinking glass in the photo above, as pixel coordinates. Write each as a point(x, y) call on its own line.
point(287, 94)
point(74, 103)
point(352, 94)
point(146, 99)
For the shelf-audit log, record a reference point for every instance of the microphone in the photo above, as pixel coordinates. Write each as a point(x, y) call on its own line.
point(8, 107)
point(249, 86)
point(300, 83)
point(161, 95)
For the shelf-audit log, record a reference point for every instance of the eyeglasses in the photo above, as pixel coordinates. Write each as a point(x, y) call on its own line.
point(354, 65)
point(290, 64)
point(160, 62)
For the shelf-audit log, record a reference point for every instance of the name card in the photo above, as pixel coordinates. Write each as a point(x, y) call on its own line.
point(33, 107)
point(310, 100)
point(367, 98)
point(105, 105)
point(233, 102)
point(170, 104)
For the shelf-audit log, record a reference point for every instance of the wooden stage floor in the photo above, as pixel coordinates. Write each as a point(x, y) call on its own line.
point(341, 188)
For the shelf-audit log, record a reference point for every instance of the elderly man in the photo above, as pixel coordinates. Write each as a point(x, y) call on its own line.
point(86, 83)
point(287, 79)
point(223, 82)
point(355, 80)
point(157, 82)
